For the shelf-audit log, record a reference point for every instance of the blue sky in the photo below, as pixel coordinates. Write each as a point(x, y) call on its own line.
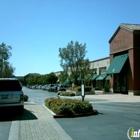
point(36, 29)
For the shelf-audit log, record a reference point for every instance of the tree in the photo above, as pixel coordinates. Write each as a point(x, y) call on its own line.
point(62, 76)
point(51, 78)
point(31, 78)
point(34, 78)
point(6, 69)
point(73, 60)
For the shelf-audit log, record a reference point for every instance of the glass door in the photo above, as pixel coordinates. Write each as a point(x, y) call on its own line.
point(117, 87)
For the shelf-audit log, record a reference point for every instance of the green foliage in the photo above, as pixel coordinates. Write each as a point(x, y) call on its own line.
point(87, 88)
point(75, 88)
point(78, 88)
point(51, 78)
point(65, 93)
point(106, 87)
point(21, 80)
point(6, 69)
point(26, 97)
point(68, 107)
point(40, 79)
point(73, 60)
point(63, 76)
point(31, 78)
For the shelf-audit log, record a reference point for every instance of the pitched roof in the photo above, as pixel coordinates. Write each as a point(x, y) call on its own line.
point(130, 27)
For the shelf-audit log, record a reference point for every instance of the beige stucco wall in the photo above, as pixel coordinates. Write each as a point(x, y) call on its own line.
point(97, 64)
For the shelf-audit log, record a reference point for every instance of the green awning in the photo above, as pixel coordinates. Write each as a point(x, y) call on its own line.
point(88, 77)
point(117, 64)
point(85, 78)
point(67, 81)
point(108, 77)
point(94, 76)
point(101, 77)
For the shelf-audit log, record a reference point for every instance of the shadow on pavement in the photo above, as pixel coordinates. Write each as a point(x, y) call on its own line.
point(10, 114)
point(27, 115)
point(101, 113)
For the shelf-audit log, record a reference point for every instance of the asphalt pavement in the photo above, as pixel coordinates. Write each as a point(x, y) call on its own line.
point(117, 113)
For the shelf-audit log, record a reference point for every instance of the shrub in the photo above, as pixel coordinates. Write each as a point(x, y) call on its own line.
point(68, 107)
point(78, 88)
point(75, 88)
point(106, 87)
point(66, 93)
point(25, 97)
point(96, 88)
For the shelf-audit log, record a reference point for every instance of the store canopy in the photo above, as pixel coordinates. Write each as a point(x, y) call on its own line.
point(101, 77)
point(94, 76)
point(67, 81)
point(108, 77)
point(117, 64)
point(85, 78)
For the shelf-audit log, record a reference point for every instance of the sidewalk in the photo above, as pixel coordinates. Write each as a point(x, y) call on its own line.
point(39, 124)
point(42, 127)
point(116, 97)
point(113, 97)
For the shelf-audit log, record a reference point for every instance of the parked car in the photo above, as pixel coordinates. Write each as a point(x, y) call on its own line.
point(38, 87)
point(49, 87)
point(11, 94)
point(54, 88)
point(44, 87)
point(63, 87)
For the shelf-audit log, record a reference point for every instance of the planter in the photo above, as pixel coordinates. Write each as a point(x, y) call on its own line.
point(95, 112)
point(78, 93)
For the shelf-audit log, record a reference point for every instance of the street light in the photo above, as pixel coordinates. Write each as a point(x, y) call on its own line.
point(83, 90)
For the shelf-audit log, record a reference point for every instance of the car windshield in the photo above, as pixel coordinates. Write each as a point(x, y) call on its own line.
point(9, 85)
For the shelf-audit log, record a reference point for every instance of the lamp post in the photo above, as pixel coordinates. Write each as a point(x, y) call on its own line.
point(83, 90)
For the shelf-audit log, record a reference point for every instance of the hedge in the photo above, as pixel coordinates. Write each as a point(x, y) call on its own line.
point(68, 107)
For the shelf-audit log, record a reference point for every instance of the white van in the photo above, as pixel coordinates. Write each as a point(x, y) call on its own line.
point(11, 94)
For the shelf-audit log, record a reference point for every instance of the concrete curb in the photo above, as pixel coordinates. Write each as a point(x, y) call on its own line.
point(14, 131)
point(95, 112)
point(49, 110)
point(57, 127)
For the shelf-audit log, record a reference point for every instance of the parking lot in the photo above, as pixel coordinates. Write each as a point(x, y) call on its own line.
point(117, 113)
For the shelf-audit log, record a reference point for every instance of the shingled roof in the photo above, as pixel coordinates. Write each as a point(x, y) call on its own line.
point(134, 28)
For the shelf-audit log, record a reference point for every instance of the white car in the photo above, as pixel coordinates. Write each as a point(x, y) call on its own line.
point(11, 94)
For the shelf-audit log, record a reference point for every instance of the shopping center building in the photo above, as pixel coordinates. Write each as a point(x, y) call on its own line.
point(122, 68)
point(99, 68)
point(125, 59)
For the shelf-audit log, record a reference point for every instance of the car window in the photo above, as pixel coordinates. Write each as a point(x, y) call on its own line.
point(9, 85)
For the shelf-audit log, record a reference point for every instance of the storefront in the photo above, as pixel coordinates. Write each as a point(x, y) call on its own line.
point(100, 81)
point(124, 69)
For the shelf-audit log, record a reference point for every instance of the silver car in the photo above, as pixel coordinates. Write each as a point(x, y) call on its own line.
point(11, 94)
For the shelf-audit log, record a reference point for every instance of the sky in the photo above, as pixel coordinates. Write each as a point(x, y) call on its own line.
point(36, 29)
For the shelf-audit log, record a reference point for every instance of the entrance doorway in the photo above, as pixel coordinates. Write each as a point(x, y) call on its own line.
point(120, 83)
